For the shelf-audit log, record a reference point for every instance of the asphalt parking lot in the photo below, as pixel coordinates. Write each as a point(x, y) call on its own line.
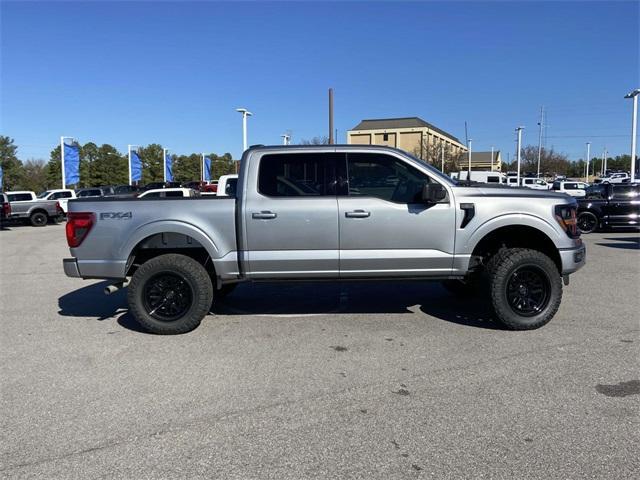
point(362, 380)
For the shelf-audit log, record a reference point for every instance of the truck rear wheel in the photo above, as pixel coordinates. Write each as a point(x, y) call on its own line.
point(38, 219)
point(170, 294)
point(525, 288)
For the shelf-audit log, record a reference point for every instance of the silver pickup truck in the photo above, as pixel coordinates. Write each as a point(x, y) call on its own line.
point(330, 213)
point(27, 207)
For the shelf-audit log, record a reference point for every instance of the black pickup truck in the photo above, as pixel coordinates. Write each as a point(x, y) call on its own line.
point(609, 206)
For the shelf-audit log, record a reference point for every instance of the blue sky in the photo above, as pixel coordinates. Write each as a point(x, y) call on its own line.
point(174, 72)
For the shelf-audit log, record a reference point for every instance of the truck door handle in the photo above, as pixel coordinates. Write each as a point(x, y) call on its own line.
point(357, 214)
point(264, 215)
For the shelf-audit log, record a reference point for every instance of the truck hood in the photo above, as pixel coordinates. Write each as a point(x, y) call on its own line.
point(513, 192)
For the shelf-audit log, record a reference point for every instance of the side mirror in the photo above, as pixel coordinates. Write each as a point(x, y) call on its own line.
point(433, 193)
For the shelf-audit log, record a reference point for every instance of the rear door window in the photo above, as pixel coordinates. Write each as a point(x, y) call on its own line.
point(298, 174)
point(173, 194)
point(570, 186)
point(19, 197)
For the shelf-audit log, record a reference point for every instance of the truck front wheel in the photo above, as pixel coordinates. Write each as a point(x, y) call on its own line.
point(170, 294)
point(525, 288)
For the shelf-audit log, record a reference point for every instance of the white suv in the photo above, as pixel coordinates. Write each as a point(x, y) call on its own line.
point(575, 189)
point(616, 178)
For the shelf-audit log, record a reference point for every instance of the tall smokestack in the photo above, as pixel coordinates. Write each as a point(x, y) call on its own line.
point(331, 139)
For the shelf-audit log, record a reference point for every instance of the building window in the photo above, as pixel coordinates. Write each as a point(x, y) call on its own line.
point(385, 137)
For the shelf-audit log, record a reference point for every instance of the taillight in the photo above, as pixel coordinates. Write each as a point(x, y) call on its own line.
point(59, 208)
point(7, 209)
point(78, 226)
point(566, 217)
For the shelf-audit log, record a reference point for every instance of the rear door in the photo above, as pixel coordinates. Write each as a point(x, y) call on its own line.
point(624, 205)
point(385, 227)
point(291, 216)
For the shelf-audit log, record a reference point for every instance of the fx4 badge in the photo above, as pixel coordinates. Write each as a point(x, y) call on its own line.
point(115, 216)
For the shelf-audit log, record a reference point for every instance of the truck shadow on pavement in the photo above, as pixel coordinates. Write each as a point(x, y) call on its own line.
point(625, 243)
point(302, 298)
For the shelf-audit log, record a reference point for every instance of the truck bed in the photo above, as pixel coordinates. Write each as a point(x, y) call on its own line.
point(123, 226)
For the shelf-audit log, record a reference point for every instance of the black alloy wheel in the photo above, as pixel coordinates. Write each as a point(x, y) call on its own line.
point(167, 296)
point(528, 290)
point(587, 222)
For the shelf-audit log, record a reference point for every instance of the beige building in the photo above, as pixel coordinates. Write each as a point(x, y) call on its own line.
point(484, 161)
point(411, 134)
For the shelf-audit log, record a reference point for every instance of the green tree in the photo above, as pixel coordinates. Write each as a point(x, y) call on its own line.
point(110, 167)
point(34, 175)
point(11, 166)
point(152, 160)
point(53, 170)
point(88, 157)
point(187, 168)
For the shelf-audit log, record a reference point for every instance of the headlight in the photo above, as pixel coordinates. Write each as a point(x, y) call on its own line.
point(566, 217)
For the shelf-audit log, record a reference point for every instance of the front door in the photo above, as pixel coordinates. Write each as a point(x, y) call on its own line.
point(385, 227)
point(292, 217)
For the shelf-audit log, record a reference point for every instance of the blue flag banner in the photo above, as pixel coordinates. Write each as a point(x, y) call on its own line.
point(168, 163)
point(207, 169)
point(71, 164)
point(136, 167)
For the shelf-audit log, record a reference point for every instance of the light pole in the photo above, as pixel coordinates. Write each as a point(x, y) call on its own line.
point(245, 113)
point(469, 152)
point(540, 139)
point(634, 128)
point(164, 164)
point(492, 158)
point(286, 138)
point(519, 131)
point(586, 178)
point(442, 156)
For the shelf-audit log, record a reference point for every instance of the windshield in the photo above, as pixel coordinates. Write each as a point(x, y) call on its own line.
point(434, 171)
point(43, 194)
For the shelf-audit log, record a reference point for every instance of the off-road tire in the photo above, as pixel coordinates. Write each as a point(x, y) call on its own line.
point(499, 272)
point(38, 219)
point(186, 269)
point(592, 217)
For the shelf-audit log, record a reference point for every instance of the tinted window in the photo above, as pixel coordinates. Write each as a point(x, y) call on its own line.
point(596, 192)
point(89, 193)
point(297, 174)
point(19, 197)
point(570, 186)
point(528, 181)
point(173, 194)
point(58, 195)
point(386, 177)
point(230, 188)
point(625, 192)
point(555, 186)
point(493, 179)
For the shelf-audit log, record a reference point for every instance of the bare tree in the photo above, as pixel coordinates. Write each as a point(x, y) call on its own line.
point(323, 140)
point(431, 152)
